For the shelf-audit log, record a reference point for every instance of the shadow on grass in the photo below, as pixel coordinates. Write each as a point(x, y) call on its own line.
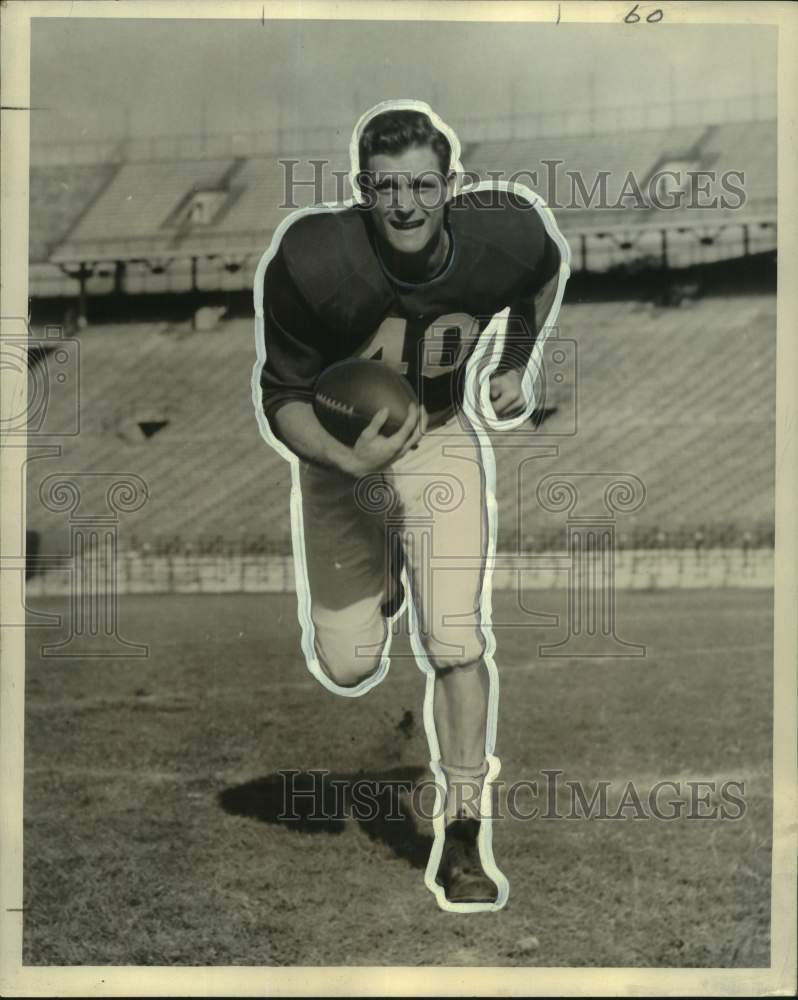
point(319, 802)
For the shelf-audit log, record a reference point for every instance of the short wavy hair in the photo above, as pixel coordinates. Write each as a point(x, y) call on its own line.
point(393, 132)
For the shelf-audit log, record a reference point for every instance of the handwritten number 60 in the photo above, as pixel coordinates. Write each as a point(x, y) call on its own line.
point(633, 17)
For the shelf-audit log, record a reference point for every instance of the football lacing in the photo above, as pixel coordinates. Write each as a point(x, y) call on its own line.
point(336, 404)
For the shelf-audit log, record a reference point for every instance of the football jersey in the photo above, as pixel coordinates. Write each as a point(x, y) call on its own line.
point(327, 296)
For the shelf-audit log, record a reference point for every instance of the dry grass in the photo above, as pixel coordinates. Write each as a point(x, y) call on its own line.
point(152, 837)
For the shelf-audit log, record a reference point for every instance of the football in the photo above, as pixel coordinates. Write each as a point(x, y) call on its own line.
point(349, 393)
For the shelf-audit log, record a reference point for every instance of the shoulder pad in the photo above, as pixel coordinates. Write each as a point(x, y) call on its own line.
point(503, 220)
point(328, 249)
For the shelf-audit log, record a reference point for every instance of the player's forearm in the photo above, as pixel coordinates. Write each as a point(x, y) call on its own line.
point(300, 429)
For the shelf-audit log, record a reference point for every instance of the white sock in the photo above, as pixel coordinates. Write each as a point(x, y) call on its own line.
point(463, 790)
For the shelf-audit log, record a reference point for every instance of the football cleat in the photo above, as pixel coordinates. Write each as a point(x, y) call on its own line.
point(461, 874)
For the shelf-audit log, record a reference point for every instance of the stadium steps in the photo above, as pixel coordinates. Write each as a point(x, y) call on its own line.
point(262, 205)
point(724, 409)
point(619, 154)
point(750, 147)
point(142, 197)
point(682, 398)
point(59, 196)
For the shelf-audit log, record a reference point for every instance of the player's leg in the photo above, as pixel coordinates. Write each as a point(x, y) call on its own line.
point(344, 562)
point(460, 710)
point(460, 705)
point(443, 492)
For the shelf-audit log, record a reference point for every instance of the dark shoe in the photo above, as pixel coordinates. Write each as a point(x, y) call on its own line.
point(461, 874)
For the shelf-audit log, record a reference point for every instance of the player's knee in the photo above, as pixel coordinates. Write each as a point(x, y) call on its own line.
point(451, 655)
point(348, 664)
point(349, 674)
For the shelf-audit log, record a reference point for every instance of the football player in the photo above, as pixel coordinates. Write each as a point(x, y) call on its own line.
point(451, 288)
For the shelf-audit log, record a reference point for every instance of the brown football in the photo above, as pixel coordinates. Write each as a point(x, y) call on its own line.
point(349, 393)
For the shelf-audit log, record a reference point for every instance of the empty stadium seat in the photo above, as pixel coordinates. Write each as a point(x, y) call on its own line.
point(681, 398)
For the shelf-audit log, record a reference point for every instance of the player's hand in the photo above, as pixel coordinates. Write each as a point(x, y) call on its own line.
point(373, 451)
point(507, 394)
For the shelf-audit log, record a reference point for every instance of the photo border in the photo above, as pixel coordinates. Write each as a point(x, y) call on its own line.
point(19, 980)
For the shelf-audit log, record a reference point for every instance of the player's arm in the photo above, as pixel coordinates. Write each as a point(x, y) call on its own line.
point(300, 429)
point(294, 359)
point(506, 384)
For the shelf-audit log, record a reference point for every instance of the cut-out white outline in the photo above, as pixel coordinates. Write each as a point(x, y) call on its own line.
point(482, 419)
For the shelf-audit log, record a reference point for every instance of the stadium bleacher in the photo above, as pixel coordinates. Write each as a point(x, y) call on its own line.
point(130, 210)
point(637, 152)
point(681, 398)
point(750, 147)
point(138, 203)
point(59, 195)
point(262, 184)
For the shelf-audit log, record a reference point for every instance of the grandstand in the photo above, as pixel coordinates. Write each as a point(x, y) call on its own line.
point(193, 222)
point(681, 397)
point(684, 413)
point(59, 195)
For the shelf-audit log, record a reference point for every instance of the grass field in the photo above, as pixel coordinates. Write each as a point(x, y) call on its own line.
point(151, 829)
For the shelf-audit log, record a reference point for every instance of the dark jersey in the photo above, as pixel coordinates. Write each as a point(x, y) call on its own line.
point(327, 296)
